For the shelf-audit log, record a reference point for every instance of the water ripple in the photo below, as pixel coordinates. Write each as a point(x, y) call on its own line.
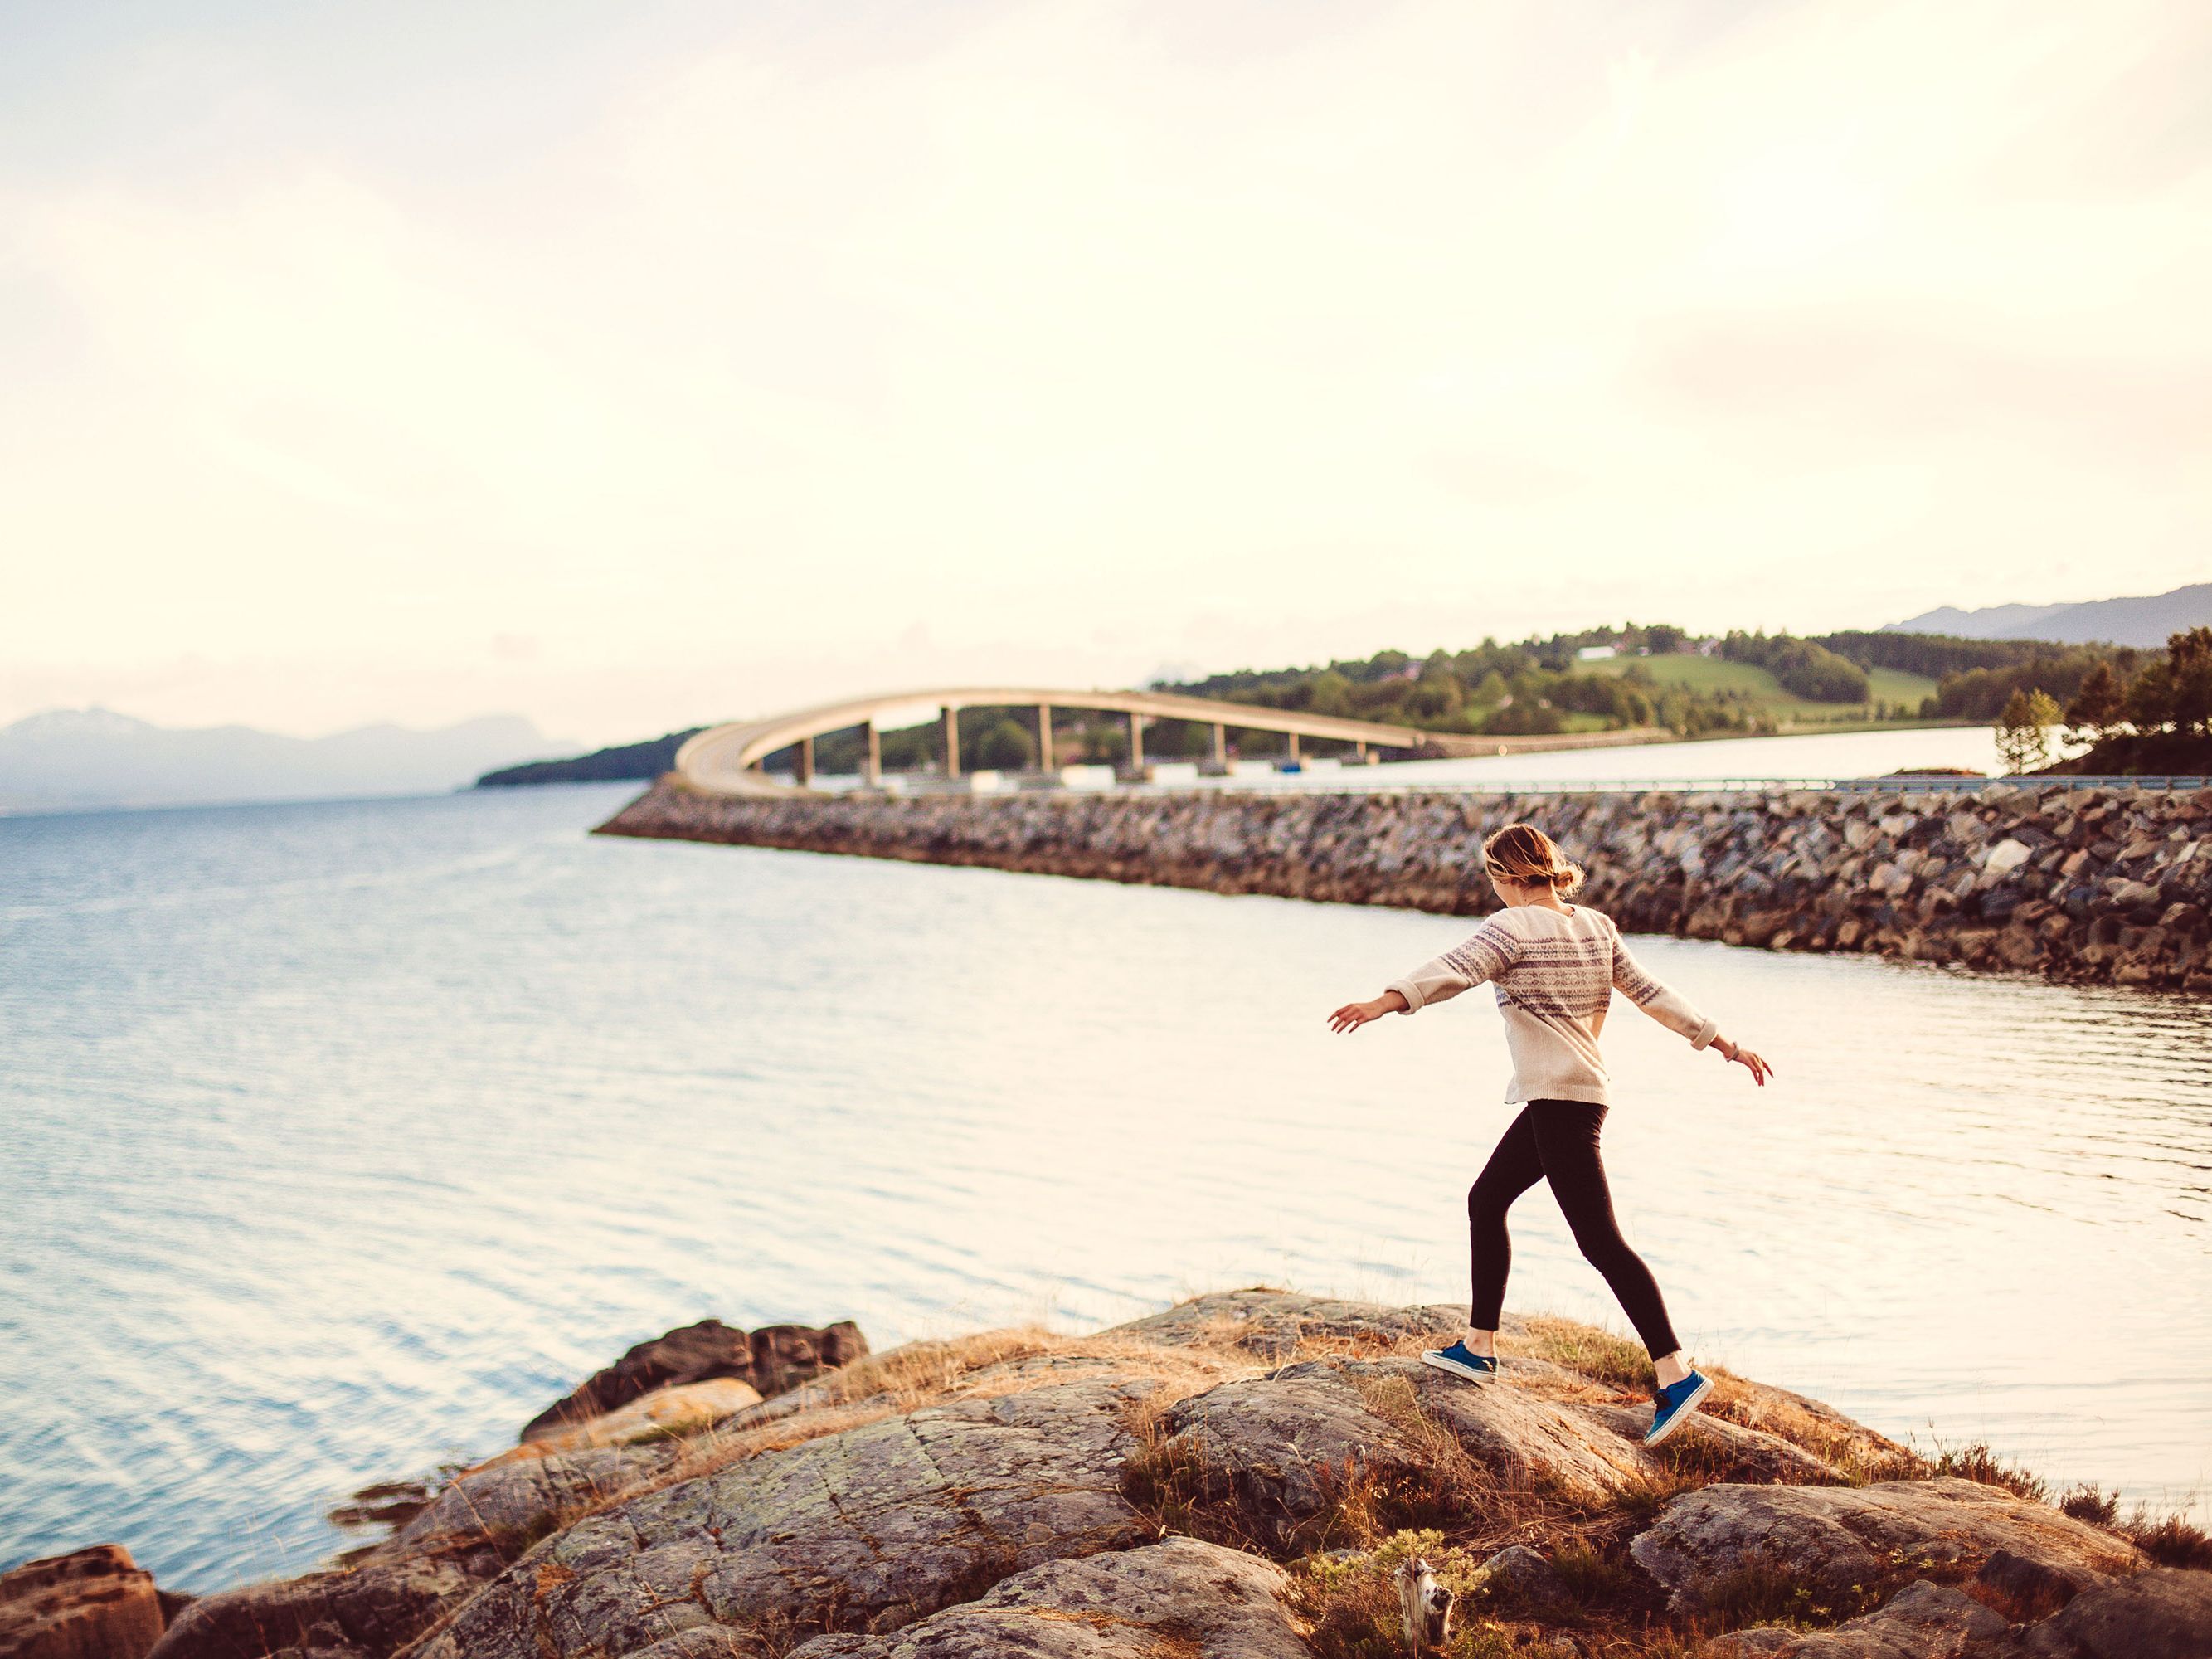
point(343, 1138)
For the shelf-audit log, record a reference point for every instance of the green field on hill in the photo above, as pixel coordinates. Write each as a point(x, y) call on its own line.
point(1717, 676)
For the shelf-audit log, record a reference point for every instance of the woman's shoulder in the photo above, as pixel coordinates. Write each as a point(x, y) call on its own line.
point(1582, 922)
point(1533, 916)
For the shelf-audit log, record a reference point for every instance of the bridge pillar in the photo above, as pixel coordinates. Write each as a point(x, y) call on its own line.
point(1044, 737)
point(1362, 752)
point(1136, 741)
point(875, 761)
point(804, 766)
point(1294, 747)
point(952, 741)
point(1220, 744)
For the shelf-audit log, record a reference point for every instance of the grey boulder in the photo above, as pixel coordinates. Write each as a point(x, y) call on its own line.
point(773, 1359)
point(1837, 1541)
point(1922, 1622)
point(867, 1529)
point(2163, 1613)
point(511, 1505)
point(370, 1609)
point(1281, 1451)
point(1178, 1597)
point(1274, 1324)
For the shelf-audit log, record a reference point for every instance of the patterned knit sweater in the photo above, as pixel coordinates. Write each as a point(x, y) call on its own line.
point(1555, 975)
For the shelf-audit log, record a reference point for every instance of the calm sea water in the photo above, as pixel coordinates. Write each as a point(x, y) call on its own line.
point(340, 1138)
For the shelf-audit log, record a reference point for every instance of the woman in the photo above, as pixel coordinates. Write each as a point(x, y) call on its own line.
point(1556, 966)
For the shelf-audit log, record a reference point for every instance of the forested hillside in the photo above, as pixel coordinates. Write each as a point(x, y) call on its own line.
point(1657, 675)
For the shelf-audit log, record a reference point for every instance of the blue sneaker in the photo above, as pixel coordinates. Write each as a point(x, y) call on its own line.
point(1463, 1361)
point(1671, 1406)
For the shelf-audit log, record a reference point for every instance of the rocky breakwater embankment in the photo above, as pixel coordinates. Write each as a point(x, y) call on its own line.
point(2090, 886)
point(1249, 1475)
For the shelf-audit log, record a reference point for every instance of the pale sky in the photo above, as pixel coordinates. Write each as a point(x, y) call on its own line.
point(629, 366)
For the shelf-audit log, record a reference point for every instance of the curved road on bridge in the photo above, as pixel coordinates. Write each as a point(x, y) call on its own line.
point(725, 759)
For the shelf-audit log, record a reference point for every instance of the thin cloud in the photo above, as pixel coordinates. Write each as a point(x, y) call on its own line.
point(714, 361)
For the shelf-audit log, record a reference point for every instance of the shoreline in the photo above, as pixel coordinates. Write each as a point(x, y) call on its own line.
point(2098, 886)
point(1253, 1473)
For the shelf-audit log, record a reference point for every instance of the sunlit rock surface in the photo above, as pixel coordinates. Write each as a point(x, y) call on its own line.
point(1235, 1476)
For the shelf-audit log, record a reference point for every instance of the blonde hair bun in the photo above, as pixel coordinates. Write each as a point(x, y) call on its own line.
point(1525, 855)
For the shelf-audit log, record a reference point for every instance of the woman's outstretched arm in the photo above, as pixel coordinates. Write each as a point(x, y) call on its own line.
point(1353, 1015)
point(1483, 956)
point(1673, 1010)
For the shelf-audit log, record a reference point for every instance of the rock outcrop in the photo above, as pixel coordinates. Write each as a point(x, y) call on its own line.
point(2094, 885)
point(94, 1603)
point(867, 1529)
point(666, 1414)
point(1239, 1477)
point(1834, 1540)
point(771, 1359)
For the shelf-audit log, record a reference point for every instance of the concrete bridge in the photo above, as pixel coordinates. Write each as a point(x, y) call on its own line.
point(725, 759)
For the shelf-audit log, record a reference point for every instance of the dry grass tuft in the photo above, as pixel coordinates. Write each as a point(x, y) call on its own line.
point(916, 1373)
point(1165, 1481)
point(2095, 1506)
point(1759, 1594)
point(1397, 1402)
point(1598, 1582)
point(717, 1449)
point(1599, 1355)
point(1979, 1463)
point(2168, 1540)
point(2036, 1605)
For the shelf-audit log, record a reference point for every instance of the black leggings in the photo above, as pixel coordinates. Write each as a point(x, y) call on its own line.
point(1556, 1141)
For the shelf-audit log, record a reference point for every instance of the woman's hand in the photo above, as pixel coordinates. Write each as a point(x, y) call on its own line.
point(1736, 1055)
point(1353, 1015)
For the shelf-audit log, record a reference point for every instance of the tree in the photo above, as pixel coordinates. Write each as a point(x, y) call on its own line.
point(2176, 691)
point(2023, 731)
point(1801, 667)
point(1436, 695)
point(1491, 691)
point(2098, 706)
point(1330, 694)
point(1006, 746)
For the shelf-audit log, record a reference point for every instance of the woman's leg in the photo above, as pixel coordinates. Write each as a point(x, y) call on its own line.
point(1565, 1133)
point(1513, 1169)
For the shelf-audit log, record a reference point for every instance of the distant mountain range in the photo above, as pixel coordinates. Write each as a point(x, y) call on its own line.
point(80, 757)
point(2146, 621)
